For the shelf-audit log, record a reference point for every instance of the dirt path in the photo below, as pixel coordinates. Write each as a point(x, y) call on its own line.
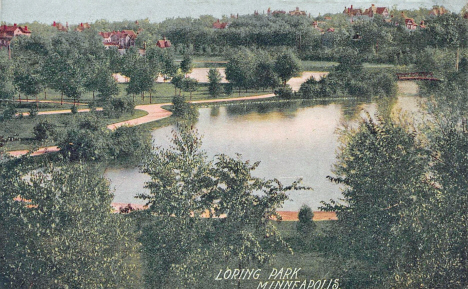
point(156, 112)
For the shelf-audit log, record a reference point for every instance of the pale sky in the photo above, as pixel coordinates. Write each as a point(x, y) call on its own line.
point(76, 11)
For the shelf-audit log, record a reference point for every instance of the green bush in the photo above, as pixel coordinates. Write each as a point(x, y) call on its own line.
point(44, 130)
point(285, 92)
point(306, 225)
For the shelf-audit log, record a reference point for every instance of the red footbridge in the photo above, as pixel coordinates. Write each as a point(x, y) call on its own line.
point(417, 76)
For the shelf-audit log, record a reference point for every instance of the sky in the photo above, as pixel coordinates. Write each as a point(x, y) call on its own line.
point(77, 11)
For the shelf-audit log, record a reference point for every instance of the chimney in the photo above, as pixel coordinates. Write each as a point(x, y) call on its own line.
point(26, 28)
point(351, 7)
point(81, 24)
point(14, 25)
point(373, 5)
point(55, 24)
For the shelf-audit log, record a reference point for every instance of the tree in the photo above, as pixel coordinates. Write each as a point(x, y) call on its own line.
point(214, 78)
point(62, 232)
point(85, 139)
point(186, 65)
point(190, 85)
point(65, 67)
point(28, 60)
point(383, 169)
point(177, 82)
point(265, 75)
point(44, 130)
point(184, 187)
point(141, 78)
point(306, 225)
point(287, 65)
point(7, 89)
point(239, 69)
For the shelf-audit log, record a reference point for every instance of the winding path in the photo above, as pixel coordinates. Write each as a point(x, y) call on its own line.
point(156, 112)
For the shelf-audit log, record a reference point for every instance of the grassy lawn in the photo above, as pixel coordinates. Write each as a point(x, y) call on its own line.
point(312, 263)
point(309, 65)
point(20, 130)
point(164, 92)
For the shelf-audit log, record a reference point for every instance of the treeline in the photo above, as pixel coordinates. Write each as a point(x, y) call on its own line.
point(376, 40)
point(349, 78)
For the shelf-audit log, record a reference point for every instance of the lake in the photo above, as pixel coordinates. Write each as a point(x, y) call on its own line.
point(291, 140)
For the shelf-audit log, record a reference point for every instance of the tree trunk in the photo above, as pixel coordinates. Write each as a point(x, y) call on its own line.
point(133, 95)
point(143, 95)
point(150, 97)
point(19, 97)
point(37, 102)
point(458, 59)
point(45, 94)
point(61, 99)
point(93, 95)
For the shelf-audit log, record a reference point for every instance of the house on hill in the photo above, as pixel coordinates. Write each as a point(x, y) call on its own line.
point(82, 27)
point(220, 25)
point(7, 33)
point(438, 10)
point(60, 26)
point(410, 24)
point(351, 12)
point(297, 12)
point(374, 10)
point(121, 39)
point(163, 43)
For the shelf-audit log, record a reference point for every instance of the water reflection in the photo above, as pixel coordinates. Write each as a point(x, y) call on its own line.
point(291, 139)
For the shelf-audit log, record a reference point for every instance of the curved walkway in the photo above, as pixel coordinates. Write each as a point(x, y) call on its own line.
point(156, 112)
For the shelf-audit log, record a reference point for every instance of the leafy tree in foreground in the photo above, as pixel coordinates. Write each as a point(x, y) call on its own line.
point(383, 169)
point(186, 192)
point(65, 235)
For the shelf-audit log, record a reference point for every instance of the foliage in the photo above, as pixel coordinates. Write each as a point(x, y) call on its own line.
point(44, 130)
point(184, 187)
point(345, 81)
point(129, 145)
point(285, 92)
point(186, 64)
point(189, 85)
point(183, 109)
point(177, 82)
point(383, 169)
point(6, 80)
point(85, 139)
point(306, 225)
point(287, 65)
point(214, 78)
point(115, 107)
point(62, 232)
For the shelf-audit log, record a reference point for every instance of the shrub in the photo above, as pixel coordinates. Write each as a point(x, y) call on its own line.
point(306, 225)
point(285, 92)
point(44, 130)
point(183, 109)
